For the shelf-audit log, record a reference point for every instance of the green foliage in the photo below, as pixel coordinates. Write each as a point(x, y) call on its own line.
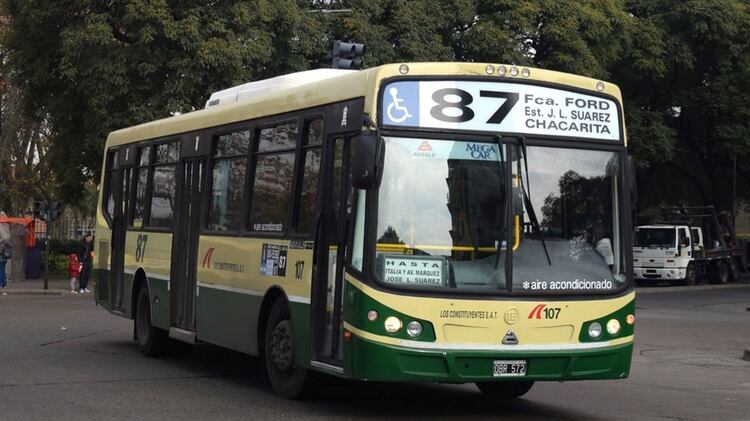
point(64, 247)
point(58, 265)
point(92, 67)
point(685, 81)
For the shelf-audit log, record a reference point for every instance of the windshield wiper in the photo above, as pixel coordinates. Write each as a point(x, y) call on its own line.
point(527, 200)
point(504, 203)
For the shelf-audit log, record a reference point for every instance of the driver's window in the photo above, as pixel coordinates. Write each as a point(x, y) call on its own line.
point(683, 241)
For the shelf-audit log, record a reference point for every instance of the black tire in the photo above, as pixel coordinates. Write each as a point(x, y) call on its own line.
point(734, 272)
point(287, 379)
point(152, 340)
point(505, 390)
point(720, 274)
point(691, 274)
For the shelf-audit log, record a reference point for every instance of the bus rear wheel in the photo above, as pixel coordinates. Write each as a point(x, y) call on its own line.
point(287, 379)
point(152, 340)
point(505, 390)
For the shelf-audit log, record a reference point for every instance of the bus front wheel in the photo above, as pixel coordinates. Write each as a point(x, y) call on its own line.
point(287, 379)
point(505, 390)
point(152, 340)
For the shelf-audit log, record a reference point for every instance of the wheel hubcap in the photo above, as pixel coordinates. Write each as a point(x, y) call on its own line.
point(282, 350)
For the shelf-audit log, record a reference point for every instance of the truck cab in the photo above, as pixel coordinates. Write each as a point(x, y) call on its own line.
point(666, 252)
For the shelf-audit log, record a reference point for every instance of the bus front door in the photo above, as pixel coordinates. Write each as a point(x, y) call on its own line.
point(185, 247)
point(334, 218)
point(119, 230)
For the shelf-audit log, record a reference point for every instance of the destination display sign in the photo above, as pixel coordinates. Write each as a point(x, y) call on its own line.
point(414, 271)
point(499, 107)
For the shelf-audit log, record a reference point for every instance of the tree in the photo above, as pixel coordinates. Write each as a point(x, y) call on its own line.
point(582, 37)
point(24, 143)
point(93, 66)
point(685, 78)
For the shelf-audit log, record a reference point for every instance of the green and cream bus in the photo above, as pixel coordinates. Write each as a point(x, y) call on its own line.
point(438, 222)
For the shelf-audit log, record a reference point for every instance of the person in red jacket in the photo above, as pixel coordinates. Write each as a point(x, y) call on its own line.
point(75, 269)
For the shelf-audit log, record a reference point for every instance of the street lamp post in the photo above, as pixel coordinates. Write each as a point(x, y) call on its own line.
point(734, 190)
point(48, 211)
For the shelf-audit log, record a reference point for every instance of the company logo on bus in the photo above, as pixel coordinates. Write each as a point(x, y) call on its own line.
point(207, 258)
point(425, 150)
point(225, 266)
point(541, 311)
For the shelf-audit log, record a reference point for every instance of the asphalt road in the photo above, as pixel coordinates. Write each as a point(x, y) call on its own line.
point(63, 358)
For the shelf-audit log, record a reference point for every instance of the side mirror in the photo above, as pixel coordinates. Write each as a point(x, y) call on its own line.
point(632, 180)
point(367, 168)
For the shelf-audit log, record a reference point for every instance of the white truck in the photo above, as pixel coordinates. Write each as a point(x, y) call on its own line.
point(694, 242)
point(681, 251)
point(666, 253)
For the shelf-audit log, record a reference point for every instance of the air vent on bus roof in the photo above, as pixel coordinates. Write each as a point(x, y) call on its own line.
point(249, 90)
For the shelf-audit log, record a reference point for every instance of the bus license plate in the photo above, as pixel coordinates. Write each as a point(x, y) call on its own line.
point(509, 368)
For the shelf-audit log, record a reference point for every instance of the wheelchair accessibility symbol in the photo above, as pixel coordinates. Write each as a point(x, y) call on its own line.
point(397, 112)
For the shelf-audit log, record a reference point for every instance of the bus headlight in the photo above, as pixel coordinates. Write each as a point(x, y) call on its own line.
point(414, 329)
point(613, 327)
point(630, 319)
point(392, 324)
point(372, 315)
point(595, 330)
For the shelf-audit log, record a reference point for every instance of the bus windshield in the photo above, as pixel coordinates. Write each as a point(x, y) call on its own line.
point(442, 217)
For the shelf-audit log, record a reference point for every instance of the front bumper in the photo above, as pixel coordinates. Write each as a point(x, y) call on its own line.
point(668, 274)
point(375, 361)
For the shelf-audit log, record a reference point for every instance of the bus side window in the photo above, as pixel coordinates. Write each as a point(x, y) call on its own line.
point(309, 184)
point(141, 183)
point(274, 172)
point(164, 185)
point(228, 181)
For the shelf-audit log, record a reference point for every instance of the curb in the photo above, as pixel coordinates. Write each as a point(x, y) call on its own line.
point(33, 292)
point(658, 289)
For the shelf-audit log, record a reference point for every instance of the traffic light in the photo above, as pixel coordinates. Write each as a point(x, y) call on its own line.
point(40, 210)
point(54, 210)
point(47, 211)
point(347, 55)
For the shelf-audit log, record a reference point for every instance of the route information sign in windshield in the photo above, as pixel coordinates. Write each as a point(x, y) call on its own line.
point(500, 107)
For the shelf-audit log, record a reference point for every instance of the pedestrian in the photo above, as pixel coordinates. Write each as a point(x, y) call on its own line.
point(85, 258)
point(75, 269)
point(6, 252)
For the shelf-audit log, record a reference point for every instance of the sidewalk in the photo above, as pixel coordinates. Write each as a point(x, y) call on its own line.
point(36, 287)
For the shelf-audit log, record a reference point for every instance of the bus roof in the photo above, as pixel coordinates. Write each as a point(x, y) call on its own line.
point(313, 88)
